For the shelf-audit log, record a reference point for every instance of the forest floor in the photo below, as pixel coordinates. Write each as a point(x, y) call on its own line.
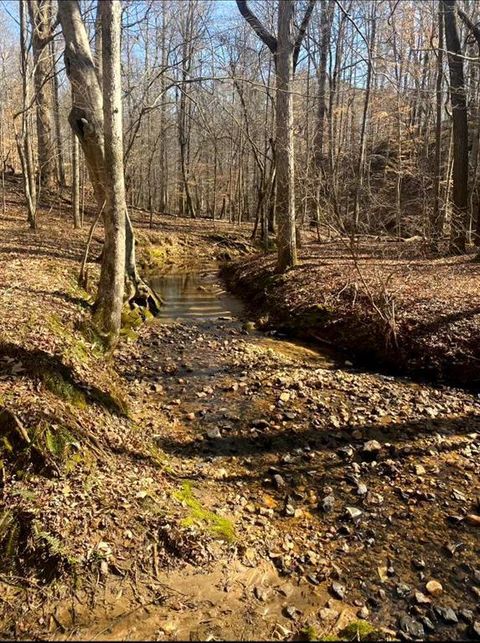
point(208, 481)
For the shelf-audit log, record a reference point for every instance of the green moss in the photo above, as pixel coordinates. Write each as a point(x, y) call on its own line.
point(59, 441)
point(360, 631)
point(216, 525)
point(64, 389)
point(309, 633)
point(160, 458)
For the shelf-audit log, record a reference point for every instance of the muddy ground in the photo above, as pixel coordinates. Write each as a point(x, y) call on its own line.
point(208, 481)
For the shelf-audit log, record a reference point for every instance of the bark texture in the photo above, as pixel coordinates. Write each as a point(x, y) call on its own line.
point(458, 235)
point(41, 18)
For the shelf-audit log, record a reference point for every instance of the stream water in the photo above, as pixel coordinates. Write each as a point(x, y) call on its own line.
point(195, 295)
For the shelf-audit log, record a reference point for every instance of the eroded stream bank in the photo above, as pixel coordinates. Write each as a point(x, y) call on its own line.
point(357, 489)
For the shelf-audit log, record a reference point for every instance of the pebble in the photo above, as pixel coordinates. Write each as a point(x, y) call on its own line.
point(338, 590)
point(473, 519)
point(447, 614)
point(475, 630)
point(353, 512)
point(214, 433)
point(421, 599)
point(466, 615)
point(328, 503)
point(279, 481)
point(412, 627)
point(362, 489)
point(434, 588)
point(328, 614)
point(363, 613)
point(291, 611)
point(372, 446)
point(428, 623)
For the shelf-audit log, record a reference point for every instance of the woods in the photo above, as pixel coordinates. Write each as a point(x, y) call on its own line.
point(239, 340)
point(378, 91)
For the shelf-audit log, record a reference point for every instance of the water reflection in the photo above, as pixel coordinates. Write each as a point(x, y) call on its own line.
point(194, 295)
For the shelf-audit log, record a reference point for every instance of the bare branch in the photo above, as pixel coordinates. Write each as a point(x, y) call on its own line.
point(257, 26)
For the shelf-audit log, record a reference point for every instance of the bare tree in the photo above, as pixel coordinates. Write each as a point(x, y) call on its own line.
point(42, 20)
point(285, 48)
point(112, 277)
point(458, 235)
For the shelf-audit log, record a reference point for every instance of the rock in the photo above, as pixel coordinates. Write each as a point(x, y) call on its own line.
point(418, 563)
point(278, 481)
point(362, 489)
point(403, 589)
point(466, 615)
point(372, 447)
point(338, 590)
point(473, 519)
point(447, 614)
point(353, 512)
point(427, 623)
point(419, 469)
point(260, 593)
point(347, 452)
point(328, 614)
point(190, 416)
point(363, 613)
point(328, 503)
point(291, 612)
point(289, 510)
point(434, 588)
point(214, 433)
point(410, 626)
point(474, 630)
point(421, 599)
point(260, 424)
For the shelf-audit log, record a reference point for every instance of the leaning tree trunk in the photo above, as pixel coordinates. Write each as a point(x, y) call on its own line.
point(458, 235)
point(86, 120)
point(41, 19)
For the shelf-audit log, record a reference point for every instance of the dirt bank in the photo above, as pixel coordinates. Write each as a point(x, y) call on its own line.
point(391, 308)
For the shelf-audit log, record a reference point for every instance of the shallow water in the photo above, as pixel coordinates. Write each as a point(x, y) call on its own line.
point(195, 295)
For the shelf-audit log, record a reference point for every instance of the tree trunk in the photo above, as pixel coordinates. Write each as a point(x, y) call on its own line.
point(112, 278)
point(75, 182)
point(23, 140)
point(286, 238)
point(86, 120)
point(436, 226)
point(458, 234)
point(42, 32)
